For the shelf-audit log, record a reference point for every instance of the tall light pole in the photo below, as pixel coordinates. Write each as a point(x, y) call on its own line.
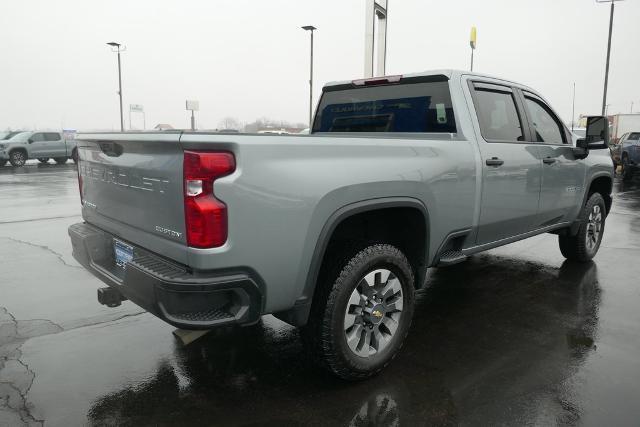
point(606, 72)
point(117, 47)
point(310, 28)
point(573, 107)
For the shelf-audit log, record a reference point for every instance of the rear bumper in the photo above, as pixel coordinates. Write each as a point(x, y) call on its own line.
point(177, 295)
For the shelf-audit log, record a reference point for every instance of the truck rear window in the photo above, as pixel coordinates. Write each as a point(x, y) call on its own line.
point(414, 107)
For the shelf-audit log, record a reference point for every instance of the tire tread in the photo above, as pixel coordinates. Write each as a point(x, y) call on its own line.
point(574, 248)
point(319, 329)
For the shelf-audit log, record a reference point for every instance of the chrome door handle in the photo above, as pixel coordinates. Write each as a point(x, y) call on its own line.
point(548, 160)
point(494, 161)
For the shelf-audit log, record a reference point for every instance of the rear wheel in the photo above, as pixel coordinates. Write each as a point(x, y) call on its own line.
point(43, 159)
point(74, 155)
point(3, 162)
point(361, 317)
point(18, 158)
point(585, 244)
point(61, 160)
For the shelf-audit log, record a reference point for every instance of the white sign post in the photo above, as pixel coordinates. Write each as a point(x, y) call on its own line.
point(137, 108)
point(193, 106)
point(375, 10)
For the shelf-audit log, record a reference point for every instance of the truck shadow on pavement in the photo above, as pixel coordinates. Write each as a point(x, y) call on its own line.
point(492, 340)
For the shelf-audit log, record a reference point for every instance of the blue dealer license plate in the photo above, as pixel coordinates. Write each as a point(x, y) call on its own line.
point(123, 253)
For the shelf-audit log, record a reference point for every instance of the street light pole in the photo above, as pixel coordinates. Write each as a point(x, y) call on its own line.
point(117, 46)
point(310, 28)
point(573, 107)
point(606, 72)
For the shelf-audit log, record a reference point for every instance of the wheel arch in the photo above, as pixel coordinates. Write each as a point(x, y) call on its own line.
point(299, 314)
point(603, 184)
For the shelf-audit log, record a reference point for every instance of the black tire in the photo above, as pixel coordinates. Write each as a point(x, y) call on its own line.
point(74, 155)
point(61, 160)
point(627, 173)
point(18, 158)
point(3, 162)
point(577, 248)
point(326, 333)
point(43, 159)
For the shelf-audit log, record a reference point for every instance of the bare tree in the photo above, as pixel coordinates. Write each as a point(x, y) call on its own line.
point(266, 123)
point(230, 123)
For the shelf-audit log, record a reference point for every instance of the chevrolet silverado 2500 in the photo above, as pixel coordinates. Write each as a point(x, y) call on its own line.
point(37, 145)
point(334, 231)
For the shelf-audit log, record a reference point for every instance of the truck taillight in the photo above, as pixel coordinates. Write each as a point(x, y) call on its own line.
point(205, 216)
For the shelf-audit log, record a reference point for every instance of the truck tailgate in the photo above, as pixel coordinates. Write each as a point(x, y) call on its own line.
point(133, 181)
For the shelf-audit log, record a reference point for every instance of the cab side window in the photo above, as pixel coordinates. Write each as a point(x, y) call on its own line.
point(52, 136)
point(546, 125)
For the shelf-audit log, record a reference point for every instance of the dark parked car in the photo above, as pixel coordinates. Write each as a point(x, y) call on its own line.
point(628, 150)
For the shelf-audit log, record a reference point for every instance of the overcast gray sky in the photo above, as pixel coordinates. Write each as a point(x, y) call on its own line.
point(249, 59)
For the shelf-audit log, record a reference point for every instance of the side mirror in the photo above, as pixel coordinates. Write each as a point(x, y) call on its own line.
point(597, 134)
point(581, 149)
point(30, 140)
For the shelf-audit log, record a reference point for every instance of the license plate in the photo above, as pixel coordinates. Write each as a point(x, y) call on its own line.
point(123, 253)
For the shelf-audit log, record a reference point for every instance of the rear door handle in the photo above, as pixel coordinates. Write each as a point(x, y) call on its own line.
point(494, 161)
point(548, 160)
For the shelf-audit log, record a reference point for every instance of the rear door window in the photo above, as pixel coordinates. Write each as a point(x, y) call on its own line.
point(497, 113)
point(634, 136)
point(405, 107)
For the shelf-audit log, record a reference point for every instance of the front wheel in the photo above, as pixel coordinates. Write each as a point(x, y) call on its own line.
point(3, 162)
point(360, 318)
point(17, 158)
point(585, 244)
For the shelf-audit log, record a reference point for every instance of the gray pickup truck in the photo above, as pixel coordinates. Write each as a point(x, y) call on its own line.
point(37, 145)
point(334, 231)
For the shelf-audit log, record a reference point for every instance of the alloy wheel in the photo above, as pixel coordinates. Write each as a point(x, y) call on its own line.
point(594, 227)
point(373, 313)
point(18, 158)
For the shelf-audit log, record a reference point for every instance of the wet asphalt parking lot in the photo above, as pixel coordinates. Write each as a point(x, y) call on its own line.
point(514, 336)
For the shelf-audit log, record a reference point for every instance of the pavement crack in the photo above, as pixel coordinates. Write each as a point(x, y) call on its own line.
point(8, 313)
point(16, 376)
point(46, 248)
point(22, 409)
point(124, 316)
point(38, 219)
